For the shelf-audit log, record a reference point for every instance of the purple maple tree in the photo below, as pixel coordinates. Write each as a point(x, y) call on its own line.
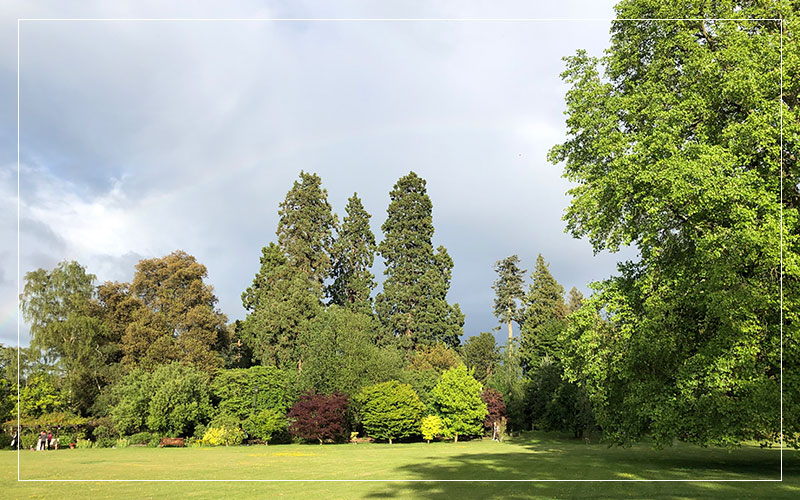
point(318, 416)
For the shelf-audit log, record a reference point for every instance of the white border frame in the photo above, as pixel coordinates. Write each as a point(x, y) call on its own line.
point(780, 108)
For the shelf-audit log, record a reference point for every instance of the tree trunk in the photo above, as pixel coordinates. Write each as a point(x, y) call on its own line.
point(320, 441)
point(456, 439)
point(390, 440)
point(510, 334)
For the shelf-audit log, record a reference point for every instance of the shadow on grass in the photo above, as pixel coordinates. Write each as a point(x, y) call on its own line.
point(534, 464)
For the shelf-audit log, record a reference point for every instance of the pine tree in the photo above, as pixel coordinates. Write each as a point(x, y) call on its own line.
point(544, 316)
point(305, 228)
point(508, 291)
point(413, 306)
point(353, 255)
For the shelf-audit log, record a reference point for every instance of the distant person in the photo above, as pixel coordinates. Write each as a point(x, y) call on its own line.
point(15, 440)
point(49, 439)
point(42, 441)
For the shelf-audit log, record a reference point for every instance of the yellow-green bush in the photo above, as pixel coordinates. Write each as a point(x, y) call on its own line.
point(218, 436)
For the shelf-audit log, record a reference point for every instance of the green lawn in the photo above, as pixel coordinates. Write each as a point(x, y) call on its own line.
point(536, 456)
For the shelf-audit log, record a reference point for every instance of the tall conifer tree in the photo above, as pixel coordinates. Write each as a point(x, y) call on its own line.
point(508, 291)
point(353, 255)
point(305, 228)
point(413, 306)
point(544, 315)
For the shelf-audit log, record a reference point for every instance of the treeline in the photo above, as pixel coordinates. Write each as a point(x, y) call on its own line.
point(155, 357)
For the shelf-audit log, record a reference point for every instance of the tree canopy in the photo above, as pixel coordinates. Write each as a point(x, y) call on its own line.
point(413, 305)
point(674, 144)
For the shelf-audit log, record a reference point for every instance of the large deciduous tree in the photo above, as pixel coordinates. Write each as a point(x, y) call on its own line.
point(413, 306)
point(674, 142)
point(177, 319)
point(508, 292)
point(67, 324)
point(353, 255)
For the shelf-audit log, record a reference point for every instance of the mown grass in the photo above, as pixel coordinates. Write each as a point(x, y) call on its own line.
point(534, 456)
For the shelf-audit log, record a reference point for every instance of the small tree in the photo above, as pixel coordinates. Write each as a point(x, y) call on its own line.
point(496, 410)
point(390, 410)
point(457, 398)
point(318, 416)
point(265, 424)
point(431, 427)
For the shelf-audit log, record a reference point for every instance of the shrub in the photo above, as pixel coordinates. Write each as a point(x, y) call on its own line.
point(237, 389)
point(318, 416)
point(390, 410)
point(5, 440)
point(83, 443)
point(431, 427)
point(140, 438)
point(217, 436)
point(123, 443)
point(171, 401)
point(265, 424)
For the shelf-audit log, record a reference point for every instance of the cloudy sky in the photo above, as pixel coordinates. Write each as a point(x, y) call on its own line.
point(138, 138)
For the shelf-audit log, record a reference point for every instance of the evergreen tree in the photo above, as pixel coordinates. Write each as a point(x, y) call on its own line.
point(353, 255)
point(544, 316)
point(574, 300)
point(508, 291)
point(305, 228)
point(281, 302)
point(413, 306)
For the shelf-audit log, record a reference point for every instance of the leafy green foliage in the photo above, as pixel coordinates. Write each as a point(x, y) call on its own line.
point(66, 324)
point(265, 424)
point(223, 436)
point(481, 355)
point(457, 399)
point(240, 391)
point(431, 427)
point(170, 401)
point(177, 319)
point(389, 410)
point(39, 396)
point(555, 404)
point(675, 146)
point(180, 400)
point(340, 354)
point(353, 254)
point(413, 305)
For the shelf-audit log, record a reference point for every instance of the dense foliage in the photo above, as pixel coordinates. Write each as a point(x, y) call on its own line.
point(457, 399)
point(674, 142)
point(353, 254)
point(319, 417)
point(413, 305)
point(390, 410)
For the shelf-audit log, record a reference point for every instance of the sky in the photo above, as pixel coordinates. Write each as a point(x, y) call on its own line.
point(138, 138)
